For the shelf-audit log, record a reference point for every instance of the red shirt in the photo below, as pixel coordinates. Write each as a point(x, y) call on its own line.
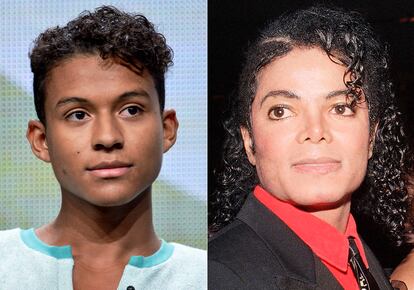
point(326, 242)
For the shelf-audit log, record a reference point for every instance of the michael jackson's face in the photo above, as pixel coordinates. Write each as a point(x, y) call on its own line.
point(310, 147)
point(105, 134)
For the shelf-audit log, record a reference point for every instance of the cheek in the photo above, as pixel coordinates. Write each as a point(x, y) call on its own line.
point(150, 154)
point(273, 139)
point(67, 152)
point(355, 145)
point(149, 148)
point(272, 149)
point(358, 151)
point(148, 143)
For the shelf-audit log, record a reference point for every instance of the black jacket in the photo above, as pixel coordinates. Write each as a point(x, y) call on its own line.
point(259, 251)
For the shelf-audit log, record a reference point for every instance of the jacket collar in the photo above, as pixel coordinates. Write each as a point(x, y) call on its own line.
point(299, 262)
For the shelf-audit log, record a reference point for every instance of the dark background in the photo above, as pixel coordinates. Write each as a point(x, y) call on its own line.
point(232, 24)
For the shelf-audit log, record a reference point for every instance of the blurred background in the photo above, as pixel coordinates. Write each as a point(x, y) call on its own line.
point(29, 193)
point(233, 24)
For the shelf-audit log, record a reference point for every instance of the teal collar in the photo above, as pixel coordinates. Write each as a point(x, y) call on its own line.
point(31, 240)
point(163, 254)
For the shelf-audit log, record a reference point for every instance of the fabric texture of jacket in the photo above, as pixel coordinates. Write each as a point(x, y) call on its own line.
point(259, 251)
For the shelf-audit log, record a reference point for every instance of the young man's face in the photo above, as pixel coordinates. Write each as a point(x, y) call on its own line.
point(105, 134)
point(311, 148)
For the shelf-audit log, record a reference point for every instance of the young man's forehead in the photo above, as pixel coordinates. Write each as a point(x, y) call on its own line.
point(83, 79)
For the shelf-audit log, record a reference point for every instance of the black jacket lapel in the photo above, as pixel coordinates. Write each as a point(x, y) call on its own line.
point(324, 277)
point(261, 252)
point(299, 261)
point(376, 269)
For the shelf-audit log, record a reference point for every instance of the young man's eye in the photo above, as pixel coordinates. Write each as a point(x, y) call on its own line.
point(131, 111)
point(343, 110)
point(77, 116)
point(280, 112)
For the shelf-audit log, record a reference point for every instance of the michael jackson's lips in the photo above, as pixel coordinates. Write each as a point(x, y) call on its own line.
point(110, 169)
point(322, 165)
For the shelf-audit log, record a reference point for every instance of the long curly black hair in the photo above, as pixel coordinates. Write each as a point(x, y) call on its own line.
point(410, 188)
point(346, 38)
point(109, 33)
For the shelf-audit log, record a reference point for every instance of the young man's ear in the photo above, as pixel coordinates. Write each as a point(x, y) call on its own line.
point(36, 135)
point(170, 124)
point(372, 141)
point(248, 145)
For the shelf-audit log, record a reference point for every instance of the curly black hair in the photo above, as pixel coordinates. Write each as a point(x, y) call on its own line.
point(109, 33)
point(348, 39)
point(410, 188)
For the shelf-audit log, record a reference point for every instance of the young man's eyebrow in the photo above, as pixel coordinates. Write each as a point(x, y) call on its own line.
point(69, 100)
point(135, 93)
point(80, 100)
point(291, 95)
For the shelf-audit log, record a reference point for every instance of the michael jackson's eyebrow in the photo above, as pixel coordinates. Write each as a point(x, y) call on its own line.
point(291, 95)
point(334, 94)
point(280, 93)
point(80, 100)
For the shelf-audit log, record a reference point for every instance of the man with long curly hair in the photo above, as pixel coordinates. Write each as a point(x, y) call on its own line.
point(99, 96)
point(312, 122)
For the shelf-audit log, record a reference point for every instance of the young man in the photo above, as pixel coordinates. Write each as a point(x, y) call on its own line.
point(99, 95)
point(311, 121)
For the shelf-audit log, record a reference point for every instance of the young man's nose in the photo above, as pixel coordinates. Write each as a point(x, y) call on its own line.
point(107, 135)
point(315, 129)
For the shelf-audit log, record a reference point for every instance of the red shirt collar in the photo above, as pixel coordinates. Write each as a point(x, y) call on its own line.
point(326, 242)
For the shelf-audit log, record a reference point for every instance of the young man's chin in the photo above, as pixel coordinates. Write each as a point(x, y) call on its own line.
point(116, 199)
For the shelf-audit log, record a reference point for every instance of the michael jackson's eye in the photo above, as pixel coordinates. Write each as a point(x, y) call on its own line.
point(343, 109)
point(280, 112)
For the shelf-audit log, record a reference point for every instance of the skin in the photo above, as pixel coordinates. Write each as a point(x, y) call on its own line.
point(307, 144)
point(404, 271)
point(105, 137)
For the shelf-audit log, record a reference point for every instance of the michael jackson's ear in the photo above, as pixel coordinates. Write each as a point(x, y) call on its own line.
point(248, 145)
point(373, 133)
point(36, 135)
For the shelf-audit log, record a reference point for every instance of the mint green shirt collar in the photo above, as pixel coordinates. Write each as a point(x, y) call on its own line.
point(31, 240)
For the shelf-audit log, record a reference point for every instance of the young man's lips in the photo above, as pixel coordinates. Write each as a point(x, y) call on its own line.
point(109, 169)
point(317, 166)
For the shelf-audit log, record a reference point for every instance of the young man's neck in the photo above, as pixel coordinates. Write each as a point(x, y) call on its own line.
point(336, 217)
point(103, 235)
